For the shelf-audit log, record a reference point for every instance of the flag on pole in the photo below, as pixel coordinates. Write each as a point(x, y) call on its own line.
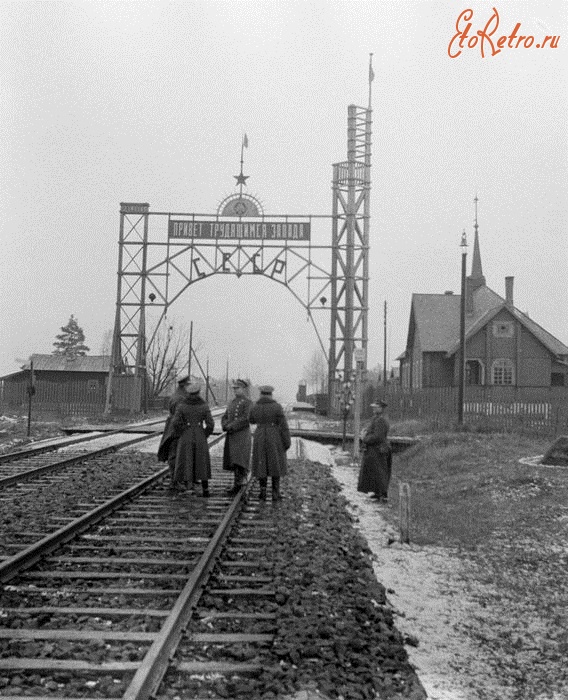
point(371, 71)
point(245, 142)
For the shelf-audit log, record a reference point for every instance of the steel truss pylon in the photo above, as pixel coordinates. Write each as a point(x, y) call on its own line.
point(184, 261)
point(127, 373)
point(350, 259)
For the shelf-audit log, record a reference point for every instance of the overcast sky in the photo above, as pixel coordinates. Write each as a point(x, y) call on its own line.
point(109, 102)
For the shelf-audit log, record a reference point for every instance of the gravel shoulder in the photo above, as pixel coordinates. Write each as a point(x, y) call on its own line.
point(467, 637)
point(425, 586)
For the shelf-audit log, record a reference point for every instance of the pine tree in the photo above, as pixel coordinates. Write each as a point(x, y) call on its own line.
point(71, 341)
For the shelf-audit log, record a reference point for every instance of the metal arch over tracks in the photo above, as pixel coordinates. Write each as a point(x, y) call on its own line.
point(161, 254)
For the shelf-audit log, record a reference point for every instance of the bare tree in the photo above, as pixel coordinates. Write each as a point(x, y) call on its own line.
point(375, 374)
point(168, 356)
point(315, 372)
point(106, 342)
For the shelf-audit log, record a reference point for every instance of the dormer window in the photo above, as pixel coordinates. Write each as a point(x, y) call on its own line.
point(503, 329)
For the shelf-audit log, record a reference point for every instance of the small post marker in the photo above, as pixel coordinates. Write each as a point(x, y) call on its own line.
point(404, 512)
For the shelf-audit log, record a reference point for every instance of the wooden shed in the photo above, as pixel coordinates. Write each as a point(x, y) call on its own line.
point(64, 386)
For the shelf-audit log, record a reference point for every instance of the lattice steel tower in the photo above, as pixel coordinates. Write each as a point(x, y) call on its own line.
point(350, 259)
point(185, 248)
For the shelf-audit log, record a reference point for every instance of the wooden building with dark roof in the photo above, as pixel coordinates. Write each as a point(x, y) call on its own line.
point(504, 347)
point(68, 386)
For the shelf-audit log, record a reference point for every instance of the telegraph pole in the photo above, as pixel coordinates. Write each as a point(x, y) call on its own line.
point(227, 383)
point(359, 357)
point(461, 385)
point(190, 349)
point(207, 381)
point(385, 347)
point(31, 392)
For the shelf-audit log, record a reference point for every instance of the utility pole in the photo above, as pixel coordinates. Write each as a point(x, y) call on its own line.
point(227, 384)
point(207, 381)
point(204, 374)
point(385, 347)
point(359, 357)
point(190, 350)
point(346, 400)
point(461, 374)
point(31, 392)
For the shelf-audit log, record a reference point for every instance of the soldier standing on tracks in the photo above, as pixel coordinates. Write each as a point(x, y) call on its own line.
point(168, 440)
point(270, 442)
point(193, 423)
point(235, 422)
point(376, 467)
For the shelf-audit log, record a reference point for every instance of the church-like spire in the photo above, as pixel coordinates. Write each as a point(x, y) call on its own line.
point(476, 276)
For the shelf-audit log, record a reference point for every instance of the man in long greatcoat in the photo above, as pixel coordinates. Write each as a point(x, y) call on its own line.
point(270, 442)
point(235, 422)
point(193, 423)
point(168, 444)
point(376, 466)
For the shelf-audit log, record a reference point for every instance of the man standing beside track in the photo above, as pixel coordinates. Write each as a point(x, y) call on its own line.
point(376, 467)
point(235, 422)
point(168, 444)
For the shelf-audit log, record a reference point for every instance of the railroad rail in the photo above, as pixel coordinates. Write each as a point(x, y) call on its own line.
point(33, 463)
point(50, 445)
point(101, 607)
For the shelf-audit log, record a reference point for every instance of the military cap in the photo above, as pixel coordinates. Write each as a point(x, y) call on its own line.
point(240, 383)
point(266, 389)
point(183, 381)
point(194, 388)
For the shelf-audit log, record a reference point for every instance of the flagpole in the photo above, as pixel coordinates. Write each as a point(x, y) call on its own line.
point(371, 76)
point(242, 161)
point(244, 143)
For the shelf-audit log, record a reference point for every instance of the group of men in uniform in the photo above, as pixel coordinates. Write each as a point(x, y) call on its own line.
point(184, 442)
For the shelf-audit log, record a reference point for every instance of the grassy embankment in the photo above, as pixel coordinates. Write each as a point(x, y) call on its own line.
point(509, 523)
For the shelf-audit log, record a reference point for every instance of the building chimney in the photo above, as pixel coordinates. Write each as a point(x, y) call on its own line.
point(301, 395)
point(509, 290)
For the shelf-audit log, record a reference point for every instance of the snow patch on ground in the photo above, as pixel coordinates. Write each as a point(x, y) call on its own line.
point(425, 589)
point(104, 441)
point(58, 439)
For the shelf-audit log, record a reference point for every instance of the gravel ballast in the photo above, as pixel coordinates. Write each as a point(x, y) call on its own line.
point(335, 628)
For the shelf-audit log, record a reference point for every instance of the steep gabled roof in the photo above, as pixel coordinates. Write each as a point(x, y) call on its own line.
point(546, 338)
point(437, 321)
point(484, 299)
point(437, 317)
point(549, 341)
point(59, 363)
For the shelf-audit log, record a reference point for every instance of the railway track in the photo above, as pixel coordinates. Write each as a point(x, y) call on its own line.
point(143, 589)
point(53, 445)
point(17, 467)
